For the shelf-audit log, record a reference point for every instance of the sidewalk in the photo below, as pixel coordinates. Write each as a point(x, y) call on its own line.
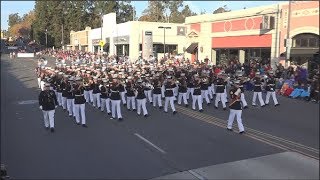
point(286, 165)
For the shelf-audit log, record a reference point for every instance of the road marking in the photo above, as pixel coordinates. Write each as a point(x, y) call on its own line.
point(196, 175)
point(150, 143)
point(28, 102)
point(254, 134)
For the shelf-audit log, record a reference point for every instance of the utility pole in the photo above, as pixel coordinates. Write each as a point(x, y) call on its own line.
point(46, 38)
point(62, 39)
point(101, 47)
point(288, 40)
point(164, 39)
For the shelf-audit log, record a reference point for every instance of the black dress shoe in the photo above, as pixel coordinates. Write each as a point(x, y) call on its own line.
point(266, 104)
point(200, 110)
point(84, 125)
point(129, 109)
point(120, 119)
point(242, 132)
point(52, 130)
point(134, 110)
point(124, 105)
point(146, 115)
point(47, 128)
point(263, 106)
point(160, 107)
point(229, 129)
point(208, 104)
point(174, 112)
point(78, 123)
point(246, 107)
point(186, 105)
point(224, 109)
point(151, 102)
point(109, 114)
point(216, 107)
point(277, 105)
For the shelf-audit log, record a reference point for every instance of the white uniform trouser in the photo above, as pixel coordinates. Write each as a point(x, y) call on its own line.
point(213, 89)
point(131, 100)
point(255, 98)
point(148, 95)
point(39, 82)
point(80, 109)
point(142, 103)
point(243, 100)
point(48, 117)
point(204, 95)
point(157, 98)
point(239, 120)
point(87, 96)
point(42, 83)
point(166, 103)
point(273, 94)
point(123, 97)
point(225, 94)
point(105, 103)
point(64, 102)
point(190, 92)
point(176, 91)
point(220, 97)
point(195, 99)
point(91, 96)
point(96, 100)
point(184, 96)
point(59, 98)
point(115, 106)
point(210, 92)
point(70, 106)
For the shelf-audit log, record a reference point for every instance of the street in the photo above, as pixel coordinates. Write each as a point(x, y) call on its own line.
point(146, 148)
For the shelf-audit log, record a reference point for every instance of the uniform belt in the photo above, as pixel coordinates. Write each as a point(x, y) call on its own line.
point(219, 85)
point(271, 84)
point(114, 91)
point(79, 95)
point(257, 85)
point(169, 89)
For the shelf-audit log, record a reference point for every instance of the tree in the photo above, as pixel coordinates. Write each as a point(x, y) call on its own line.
point(14, 19)
point(155, 11)
point(221, 10)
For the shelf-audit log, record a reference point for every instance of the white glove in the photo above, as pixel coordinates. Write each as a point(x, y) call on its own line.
point(40, 107)
point(56, 106)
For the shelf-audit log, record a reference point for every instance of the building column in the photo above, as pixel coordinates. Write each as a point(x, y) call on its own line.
point(214, 56)
point(241, 56)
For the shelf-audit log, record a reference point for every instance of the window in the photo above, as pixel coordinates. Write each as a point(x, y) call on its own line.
point(306, 40)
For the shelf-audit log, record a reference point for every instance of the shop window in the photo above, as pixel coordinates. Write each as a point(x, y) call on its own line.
point(313, 42)
point(303, 42)
point(306, 40)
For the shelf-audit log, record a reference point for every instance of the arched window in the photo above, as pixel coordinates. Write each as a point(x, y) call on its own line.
point(306, 40)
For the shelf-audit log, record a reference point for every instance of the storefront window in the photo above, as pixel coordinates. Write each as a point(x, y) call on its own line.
point(306, 40)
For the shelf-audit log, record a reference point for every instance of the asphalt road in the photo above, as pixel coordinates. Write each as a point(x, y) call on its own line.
point(138, 147)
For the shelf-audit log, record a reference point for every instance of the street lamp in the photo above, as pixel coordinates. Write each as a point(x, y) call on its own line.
point(164, 39)
point(46, 38)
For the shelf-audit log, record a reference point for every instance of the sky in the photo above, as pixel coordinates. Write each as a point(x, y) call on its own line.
point(23, 7)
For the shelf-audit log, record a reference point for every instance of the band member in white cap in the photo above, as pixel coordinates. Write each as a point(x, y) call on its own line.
point(147, 89)
point(182, 91)
point(257, 90)
point(271, 87)
point(204, 86)
point(141, 98)
point(70, 97)
point(115, 100)
point(235, 108)
point(156, 97)
point(131, 99)
point(96, 93)
point(48, 103)
point(79, 103)
point(196, 96)
point(169, 96)
point(220, 92)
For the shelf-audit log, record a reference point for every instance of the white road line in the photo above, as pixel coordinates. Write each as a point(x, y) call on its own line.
point(150, 143)
point(196, 175)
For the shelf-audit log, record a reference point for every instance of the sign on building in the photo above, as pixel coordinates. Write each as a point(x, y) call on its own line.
point(181, 31)
point(147, 45)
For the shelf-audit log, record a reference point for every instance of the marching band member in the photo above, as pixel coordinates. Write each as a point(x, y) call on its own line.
point(148, 89)
point(190, 87)
point(105, 97)
point(235, 108)
point(211, 90)
point(242, 97)
point(169, 96)
point(182, 91)
point(96, 93)
point(69, 97)
point(87, 86)
point(64, 93)
point(204, 86)
point(196, 96)
point(141, 98)
point(122, 93)
point(115, 100)
point(257, 90)
point(271, 86)
point(131, 101)
point(48, 103)
point(79, 103)
point(157, 93)
point(220, 92)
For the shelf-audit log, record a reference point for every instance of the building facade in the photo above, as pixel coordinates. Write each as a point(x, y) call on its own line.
point(256, 33)
point(79, 40)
